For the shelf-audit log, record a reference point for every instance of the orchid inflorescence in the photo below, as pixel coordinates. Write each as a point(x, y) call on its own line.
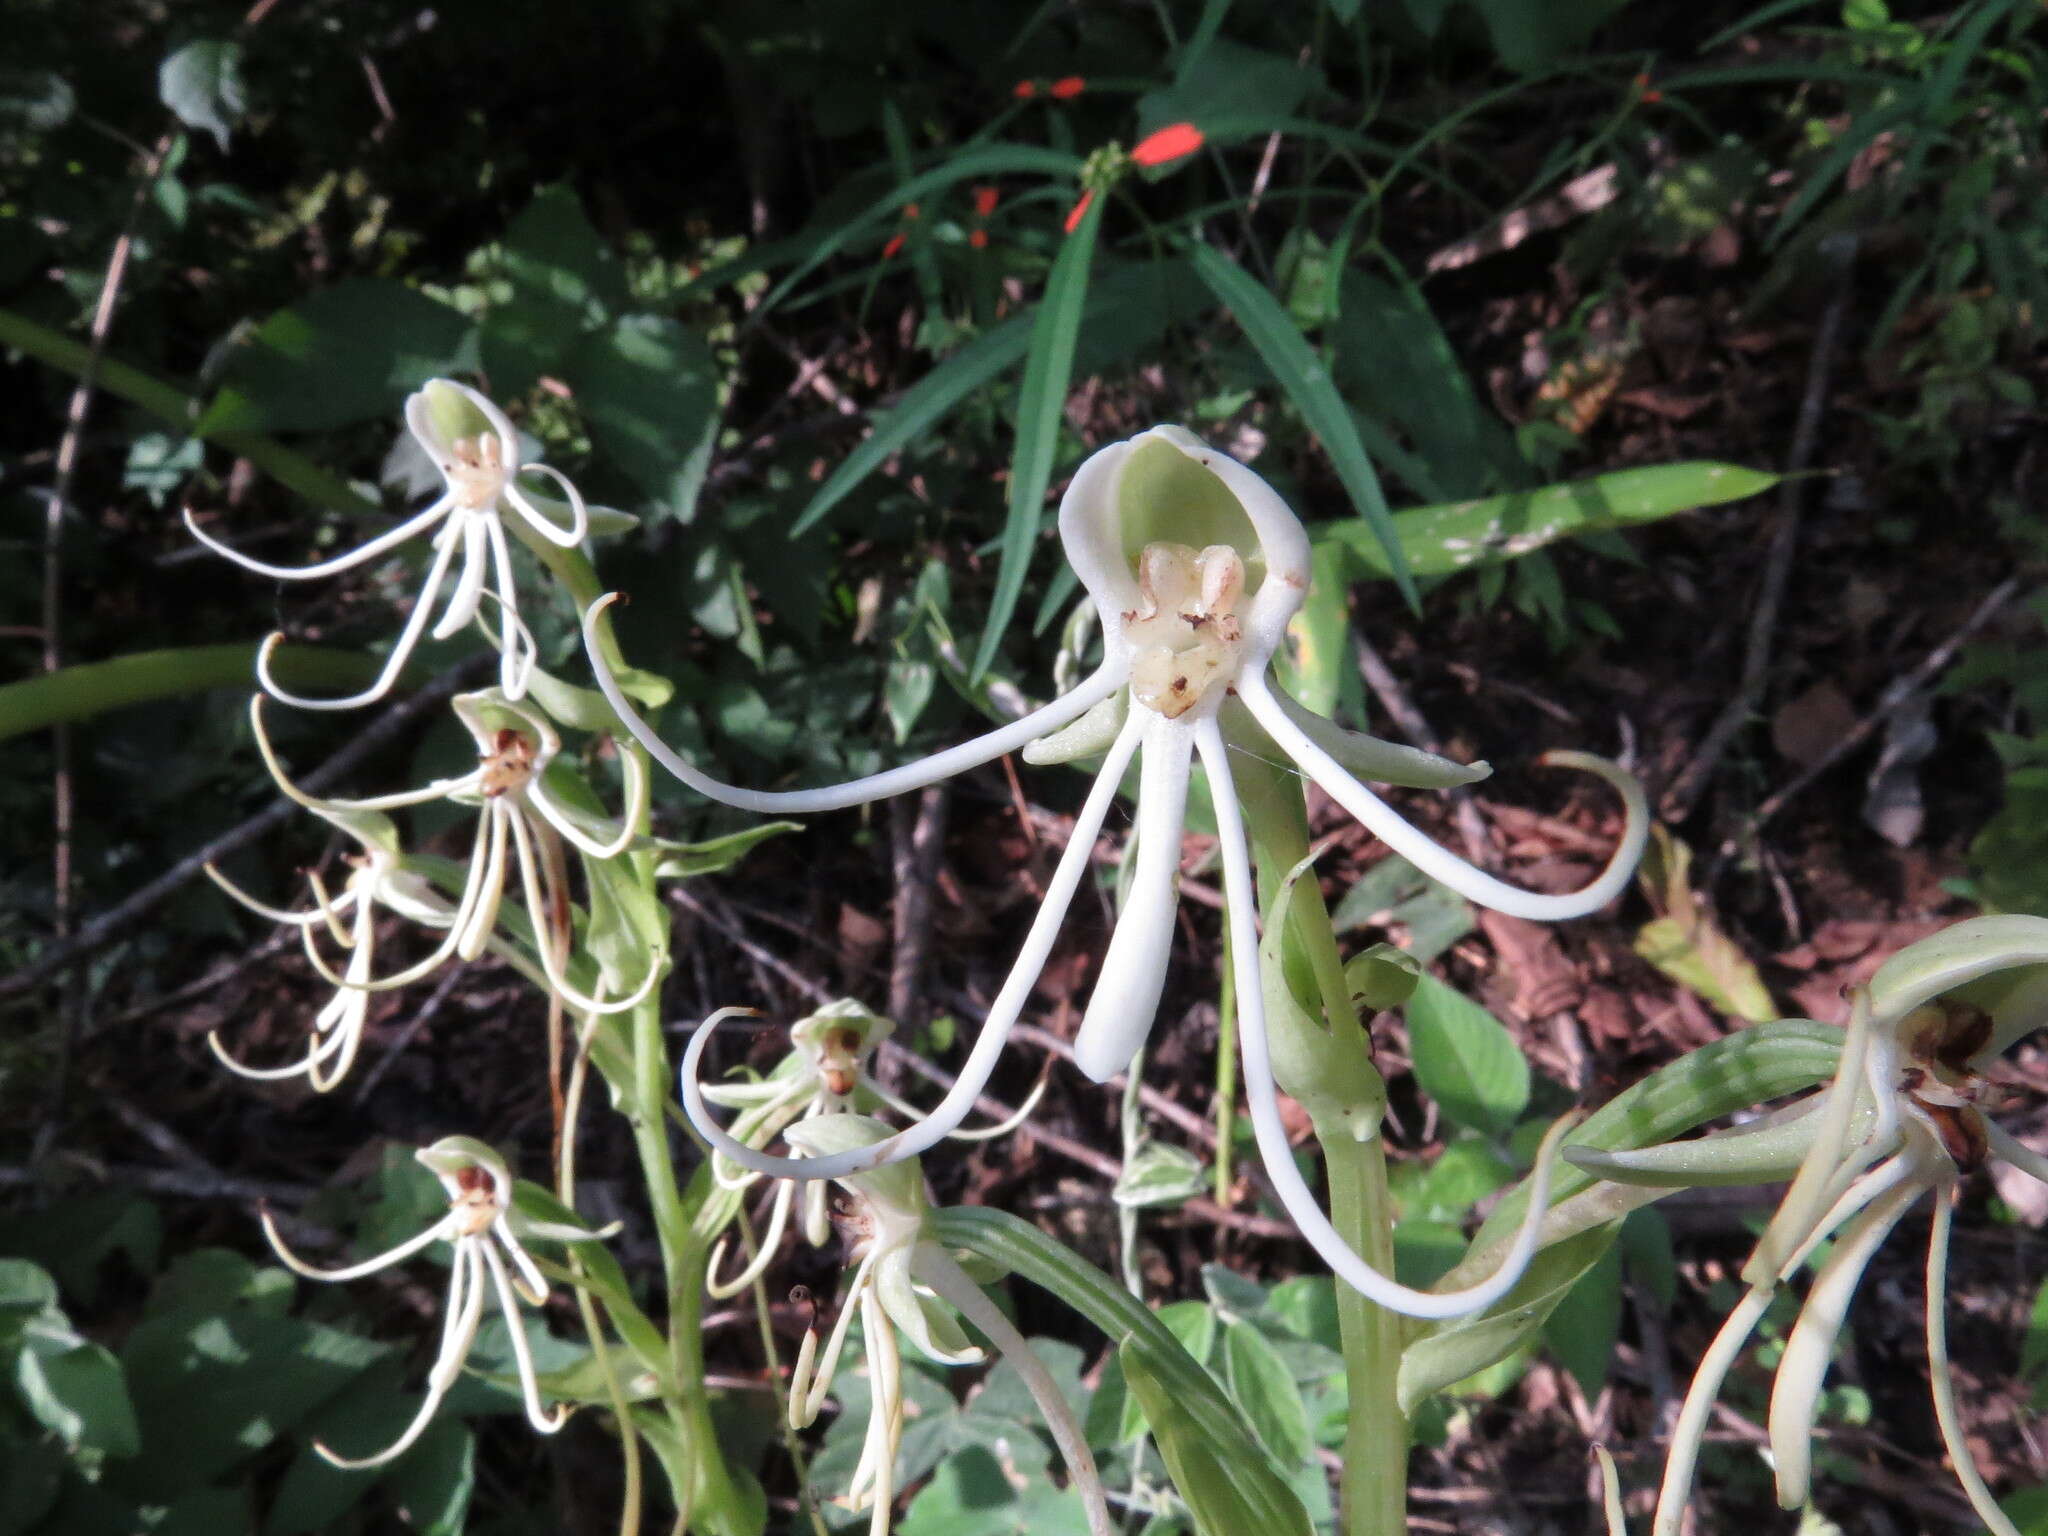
point(1196, 568)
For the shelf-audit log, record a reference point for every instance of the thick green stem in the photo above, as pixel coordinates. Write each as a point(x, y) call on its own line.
point(1374, 1494)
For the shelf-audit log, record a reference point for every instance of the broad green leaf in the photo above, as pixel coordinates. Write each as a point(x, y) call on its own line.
point(1442, 540)
point(1583, 1326)
point(343, 355)
point(926, 403)
point(1041, 408)
point(565, 280)
point(202, 84)
point(649, 388)
point(1301, 373)
point(1395, 891)
point(1465, 1059)
point(1263, 1386)
point(435, 1480)
point(972, 1494)
point(75, 1388)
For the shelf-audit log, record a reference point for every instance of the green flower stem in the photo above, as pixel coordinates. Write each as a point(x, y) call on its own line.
point(1375, 1479)
point(715, 1503)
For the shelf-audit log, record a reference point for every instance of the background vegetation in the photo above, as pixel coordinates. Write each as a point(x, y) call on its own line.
point(799, 285)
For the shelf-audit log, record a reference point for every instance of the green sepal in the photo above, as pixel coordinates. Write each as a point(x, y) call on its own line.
point(1336, 1083)
point(1382, 977)
point(1381, 762)
point(1088, 736)
point(1761, 1153)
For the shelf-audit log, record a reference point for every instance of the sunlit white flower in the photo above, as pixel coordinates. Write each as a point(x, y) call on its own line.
point(904, 1283)
point(477, 451)
point(485, 1231)
point(826, 1072)
point(520, 820)
point(1196, 568)
point(1901, 1119)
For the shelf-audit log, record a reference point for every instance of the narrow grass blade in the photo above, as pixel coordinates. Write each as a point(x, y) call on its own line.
point(1041, 406)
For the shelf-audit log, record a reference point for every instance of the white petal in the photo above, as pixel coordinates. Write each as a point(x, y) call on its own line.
point(958, 1103)
point(418, 523)
point(1126, 995)
point(1438, 862)
point(1943, 1379)
point(929, 770)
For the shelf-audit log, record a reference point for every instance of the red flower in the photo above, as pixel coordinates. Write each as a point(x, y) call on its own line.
point(979, 239)
point(985, 199)
point(894, 246)
point(1169, 143)
point(910, 210)
point(1067, 87)
point(1024, 90)
point(1080, 209)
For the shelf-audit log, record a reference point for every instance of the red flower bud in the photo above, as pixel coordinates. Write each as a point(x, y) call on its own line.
point(1024, 90)
point(985, 199)
point(1169, 143)
point(978, 239)
point(1080, 209)
point(894, 246)
point(1067, 87)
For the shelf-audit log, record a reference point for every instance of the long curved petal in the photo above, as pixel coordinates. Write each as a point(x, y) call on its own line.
point(518, 651)
point(764, 1253)
point(240, 897)
point(1438, 862)
point(418, 523)
point(1240, 903)
point(556, 816)
point(1942, 1379)
point(464, 600)
point(579, 514)
point(995, 1030)
point(1682, 1456)
point(550, 959)
point(522, 1352)
point(875, 786)
point(1126, 996)
point(438, 1232)
point(1795, 1395)
point(401, 650)
point(465, 1310)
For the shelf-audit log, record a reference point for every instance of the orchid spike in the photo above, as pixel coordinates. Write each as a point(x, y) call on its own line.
point(1196, 569)
point(476, 449)
point(490, 1259)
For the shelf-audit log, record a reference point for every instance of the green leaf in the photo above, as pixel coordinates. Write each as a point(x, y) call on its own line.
point(1465, 1059)
point(202, 84)
point(1263, 1386)
point(1441, 540)
point(435, 1480)
point(1584, 1324)
point(1300, 372)
point(971, 1494)
point(1686, 943)
point(76, 1389)
point(565, 280)
point(649, 388)
point(1210, 1473)
point(1395, 891)
point(1041, 408)
point(1020, 1247)
point(346, 354)
point(1382, 977)
point(922, 407)
point(1159, 1174)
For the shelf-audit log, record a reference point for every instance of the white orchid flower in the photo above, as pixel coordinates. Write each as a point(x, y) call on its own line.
point(1901, 1119)
point(520, 820)
point(1196, 568)
point(377, 882)
point(825, 1073)
point(476, 448)
point(485, 1231)
point(903, 1282)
